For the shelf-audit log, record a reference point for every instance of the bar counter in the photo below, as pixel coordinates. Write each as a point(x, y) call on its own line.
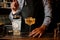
point(26, 38)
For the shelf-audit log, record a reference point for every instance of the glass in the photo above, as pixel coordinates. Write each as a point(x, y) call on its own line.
point(16, 24)
point(30, 21)
point(16, 32)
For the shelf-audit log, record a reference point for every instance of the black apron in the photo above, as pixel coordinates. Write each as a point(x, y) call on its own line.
point(32, 9)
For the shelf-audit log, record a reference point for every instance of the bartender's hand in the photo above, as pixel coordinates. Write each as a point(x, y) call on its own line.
point(14, 5)
point(38, 31)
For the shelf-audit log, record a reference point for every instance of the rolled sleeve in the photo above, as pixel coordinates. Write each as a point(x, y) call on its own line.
point(11, 16)
point(47, 11)
point(21, 2)
point(47, 21)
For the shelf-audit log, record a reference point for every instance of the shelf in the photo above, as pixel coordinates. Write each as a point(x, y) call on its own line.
point(5, 3)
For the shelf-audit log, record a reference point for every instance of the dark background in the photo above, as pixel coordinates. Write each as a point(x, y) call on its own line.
point(55, 12)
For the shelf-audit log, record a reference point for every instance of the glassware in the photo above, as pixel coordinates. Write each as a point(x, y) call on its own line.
point(16, 24)
point(30, 21)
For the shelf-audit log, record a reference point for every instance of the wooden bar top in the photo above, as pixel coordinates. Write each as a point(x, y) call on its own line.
point(26, 38)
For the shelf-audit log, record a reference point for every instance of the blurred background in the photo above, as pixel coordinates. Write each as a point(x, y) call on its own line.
point(5, 11)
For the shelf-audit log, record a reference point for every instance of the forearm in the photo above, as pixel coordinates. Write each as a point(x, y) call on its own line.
point(11, 16)
point(13, 13)
point(47, 11)
point(46, 21)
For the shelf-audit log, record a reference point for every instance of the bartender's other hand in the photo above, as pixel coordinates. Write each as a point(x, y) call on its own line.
point(14, 5)
point(38, 31)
